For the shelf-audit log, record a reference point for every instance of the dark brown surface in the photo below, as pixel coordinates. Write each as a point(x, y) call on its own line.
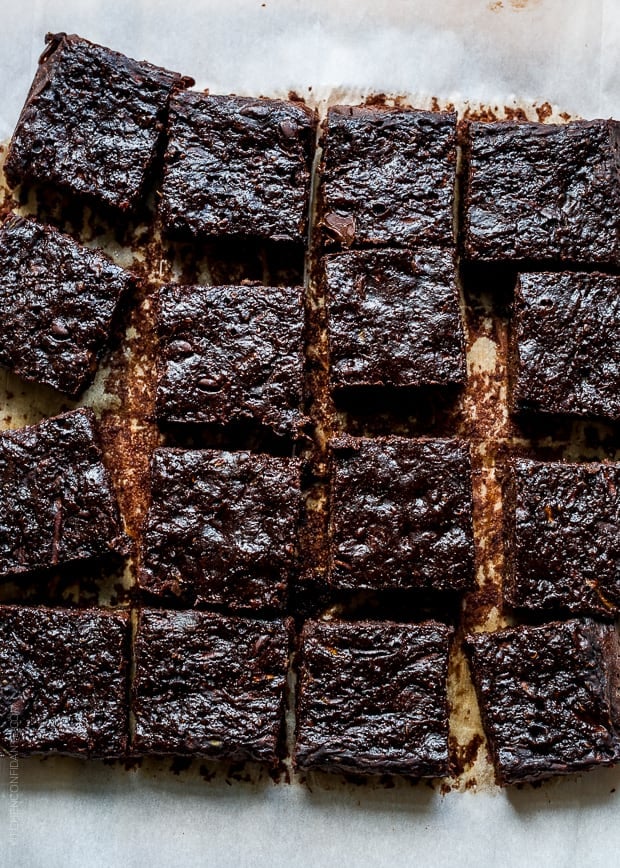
point(548, 697)
point(57, 503)
point(208, 685)
point(57, 302)
point(222, 528)
point(92, 121)
point(372, 698)
point(387, 176)
point(64, 681)
point(401, 514)
point(394, 318)
point(565, 344)
point(563, 527)
point(231, 354)
point(543, 191)
point(237, 166)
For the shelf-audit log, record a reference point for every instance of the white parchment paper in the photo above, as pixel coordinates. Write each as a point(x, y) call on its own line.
point(493, 52)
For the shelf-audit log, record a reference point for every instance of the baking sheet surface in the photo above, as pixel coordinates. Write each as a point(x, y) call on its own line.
point(497, 53)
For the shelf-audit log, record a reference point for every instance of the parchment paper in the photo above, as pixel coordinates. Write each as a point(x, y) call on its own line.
point(492, 52)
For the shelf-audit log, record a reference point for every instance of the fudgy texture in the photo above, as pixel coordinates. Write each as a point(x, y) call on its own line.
point(543, 191)
point(208, 685)
point(92, 121)
point(565, 344)
point(230, 354)
point(237, 166)
point(401, 514)
point(563, 528)
point(372, 698)
point(394, 318)
point(64, 687)
point(57, 502)
point(57, 301)
point(222, 527)
point(548, 697)
point(387, 176)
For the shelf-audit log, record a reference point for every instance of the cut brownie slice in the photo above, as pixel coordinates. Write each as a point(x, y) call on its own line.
point(394, 318)
point(92, 121)
point(548, 697)
point(237, 166)
point(230, 354)
point(57, 301)
point(208, 685)
point(372, 698)
point(565, 344)
point(57, 501)
point(541, 191)
point(222, 527)
point(64, 681)
point(401, 514)
point(388, 176)
point(563, 527)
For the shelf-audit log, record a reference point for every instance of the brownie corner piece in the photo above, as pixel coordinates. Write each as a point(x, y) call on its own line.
point(57, 304)
point(388, 176)
point(563, 532)
point(394, 318)
point(222, 528)
point(372, 698)
point(58, 504)
point(64, 681)
point(232, 354)
point(209, 685)
point(237, 166)
point(565, 344)
point(543, 191)
point(92, 122)
point(401, 514)
point(549, 698)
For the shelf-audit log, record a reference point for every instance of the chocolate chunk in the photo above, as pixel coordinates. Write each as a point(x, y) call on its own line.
point(372, 698)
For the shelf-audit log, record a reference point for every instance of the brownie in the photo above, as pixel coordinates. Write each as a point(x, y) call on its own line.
point(222, 528)
point(231, 354)
point(387, 176)
point(565, 344)
point(57, 501)
point(209, 685)
point(57, 303)
point(394, 318)
point(563, 531)
point(92, 122)
point(548, 697)
point(64, 681)
point(543, 191)
point(237, 166)
point(401, 514)
point(372, 698)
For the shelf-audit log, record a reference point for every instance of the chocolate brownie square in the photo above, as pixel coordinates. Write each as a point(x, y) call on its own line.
point(565, 344)
point(208, 685)
point(394, 318)
point(57, 502)
point(563, 528)
point(92, 121)
point(64, 681)
point(231, 354)
point(372, 698)
point(543, 191)
point(57, 302)
point(222, 528)
point(548, 697)
point(401, 514)
point(237, 166)
point(387, 176)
